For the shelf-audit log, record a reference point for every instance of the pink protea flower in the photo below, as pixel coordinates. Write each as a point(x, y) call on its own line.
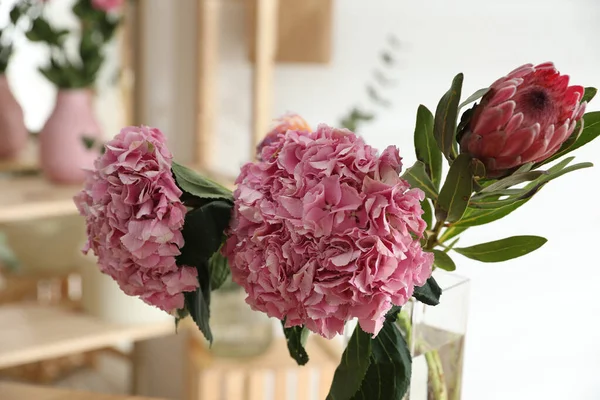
point(134, 218)
point(107, 5)
point(322, 232)
point(281, 126)
point(524, 117)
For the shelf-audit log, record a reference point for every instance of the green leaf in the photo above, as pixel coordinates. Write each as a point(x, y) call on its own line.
point(427, 213)
point(452, 232)
point(88, 142)
point(430, 292)
point(197, 302)
point(388, 375)
point(456, 192)
point(199, 186)
point(418, 178)
point(475, 216)
point(15, 14)
point(353, 366)
point(502, 250)
point(445, 117)
point(532, 188)
point(426, 149)
point(219, 270)
point(513, 180)
point(443, 261)
point(589, 94)
point(475, 96)
point(296, 340)
point(203, 232)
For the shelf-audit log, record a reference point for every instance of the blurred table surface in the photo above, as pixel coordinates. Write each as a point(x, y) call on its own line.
point(12, 391)
point(30, 333)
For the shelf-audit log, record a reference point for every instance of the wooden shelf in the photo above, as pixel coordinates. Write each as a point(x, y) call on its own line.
point(13, 391)
point(27, 161)
point(30, 333)
point(32, 197)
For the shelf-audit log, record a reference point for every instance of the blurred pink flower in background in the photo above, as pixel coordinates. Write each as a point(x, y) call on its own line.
point(107, 5)
point(524, 117)
point(323, 229)
point(134, 218)
point(289, 121)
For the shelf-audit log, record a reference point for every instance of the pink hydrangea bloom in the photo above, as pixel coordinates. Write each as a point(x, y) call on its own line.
point(107, 5)
point(134, 218)
point(323, 232)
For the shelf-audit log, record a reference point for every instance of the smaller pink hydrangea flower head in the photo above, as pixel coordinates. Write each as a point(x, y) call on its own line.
point(324, 230)
point(281, 126)
point(134, 218)
point(524, 117)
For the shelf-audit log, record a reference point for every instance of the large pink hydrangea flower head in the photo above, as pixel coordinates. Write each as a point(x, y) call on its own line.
point(524, 117)
point(134, 218)
point(324, 230)
point(107, 5)
point(287, 122)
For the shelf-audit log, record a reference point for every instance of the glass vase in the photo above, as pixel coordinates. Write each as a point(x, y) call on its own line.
point(436, 338)
point(238, 331)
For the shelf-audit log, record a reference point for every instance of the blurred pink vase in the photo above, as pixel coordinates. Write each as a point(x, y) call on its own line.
point(63, 154)
point(13, 133)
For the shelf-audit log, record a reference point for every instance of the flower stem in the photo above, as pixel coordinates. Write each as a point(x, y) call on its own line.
point(435, 382)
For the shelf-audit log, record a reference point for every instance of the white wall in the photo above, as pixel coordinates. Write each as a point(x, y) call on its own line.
point(533, 332)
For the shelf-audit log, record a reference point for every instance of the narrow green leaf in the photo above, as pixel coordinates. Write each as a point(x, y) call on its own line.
point(430, 292)
point(532, 188)
point(203, 232)
point(475, 96)
point(426, 149)
point(199, 186)
point(589, 94)
point(502, 250)
point(427, 213)
point(219, 270)
point(353, 366)
point(443, 261)
point(452, 232)
point(446, 114)
point(388, 375)
point(417, 177)
point(456, 192)
point(513, 180)
point(296, 340)
point(475, 216)
point(197, 302)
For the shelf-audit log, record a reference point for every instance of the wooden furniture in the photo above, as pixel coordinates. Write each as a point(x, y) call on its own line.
point(33, 333)
point(12, 391)
point(32, 197)
point(272, 375)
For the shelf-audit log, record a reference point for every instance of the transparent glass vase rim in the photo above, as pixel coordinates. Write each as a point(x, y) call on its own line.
point(449, 280)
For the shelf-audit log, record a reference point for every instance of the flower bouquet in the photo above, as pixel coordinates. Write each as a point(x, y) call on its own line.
point(322, 229)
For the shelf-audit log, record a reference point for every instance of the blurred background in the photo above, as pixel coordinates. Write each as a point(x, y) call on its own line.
point(212, 75)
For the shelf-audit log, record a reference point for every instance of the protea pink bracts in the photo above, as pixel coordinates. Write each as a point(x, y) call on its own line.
point(524, 117)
